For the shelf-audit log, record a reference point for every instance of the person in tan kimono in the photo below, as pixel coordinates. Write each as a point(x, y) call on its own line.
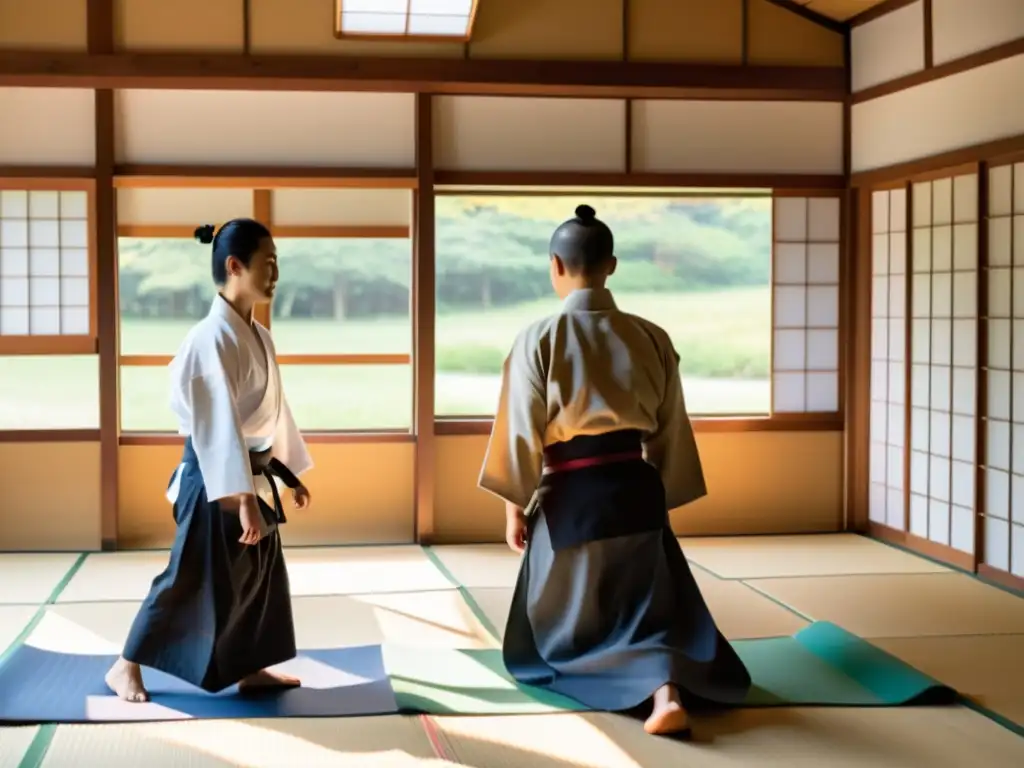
point(590, 449)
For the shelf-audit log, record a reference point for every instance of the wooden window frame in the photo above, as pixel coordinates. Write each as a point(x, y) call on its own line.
point(263, 179)
point(56, 180)
point(821, 419)
point(85, 344)
point(263, 211)
point(407, 37)
point(501, 184)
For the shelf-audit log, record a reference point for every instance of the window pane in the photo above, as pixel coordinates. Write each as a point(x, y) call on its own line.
point(165, 287)
point(322, 397)
point(49, 392)
point(343, 296)
point(344, 397)
point(699, 267)
point(145, 399)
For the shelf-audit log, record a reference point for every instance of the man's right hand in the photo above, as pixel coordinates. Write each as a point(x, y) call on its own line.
point(249, 516)
point(515, 528)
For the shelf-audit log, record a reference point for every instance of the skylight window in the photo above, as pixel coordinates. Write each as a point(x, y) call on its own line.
point(446, 19)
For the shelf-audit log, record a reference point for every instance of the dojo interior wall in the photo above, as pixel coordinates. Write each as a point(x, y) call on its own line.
point(938, 164)
point(713, 30)
point(763, 480)
point(965, 108)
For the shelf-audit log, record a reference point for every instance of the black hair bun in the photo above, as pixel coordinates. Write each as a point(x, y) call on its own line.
point(585, 213)
point(204, 234)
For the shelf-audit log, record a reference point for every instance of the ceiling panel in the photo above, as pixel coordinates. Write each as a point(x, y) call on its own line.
point(837, 10)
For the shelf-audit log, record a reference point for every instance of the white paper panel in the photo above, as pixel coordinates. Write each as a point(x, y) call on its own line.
point(1004, 432)
point(47, 126)
point(190, 207)
point(961, 28)
point(732, 136)
point(891, 46)
point(504, 133)
point(877, 497)
point(1017, 550)
point(789, 392)
point(44, 263)
point(790, 220)
point(880, 213)
point(997, 543)
point(944, 300)
point(888, 364)
point(323, 129)
point(1000, 191)
point(930, 118)
point(1018, 187)
point(342, 207)
point(806, 305)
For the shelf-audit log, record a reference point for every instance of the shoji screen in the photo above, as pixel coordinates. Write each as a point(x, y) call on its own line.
point(944, 359)
point(805, 278)
point(888, 356)
point(1004, 425)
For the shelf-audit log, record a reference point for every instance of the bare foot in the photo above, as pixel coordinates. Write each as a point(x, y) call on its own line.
point(668, 716)
point(125, 679)
point(267, 680)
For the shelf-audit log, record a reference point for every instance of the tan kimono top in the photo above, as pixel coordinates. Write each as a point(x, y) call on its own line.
point(587, 370)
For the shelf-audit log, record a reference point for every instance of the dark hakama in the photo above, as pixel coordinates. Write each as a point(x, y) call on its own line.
point(221, 610)
point(605, 609)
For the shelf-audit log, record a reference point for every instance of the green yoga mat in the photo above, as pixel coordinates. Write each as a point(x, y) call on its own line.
point(822, 665)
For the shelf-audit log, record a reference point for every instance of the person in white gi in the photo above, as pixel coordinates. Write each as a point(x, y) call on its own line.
point(220, 614)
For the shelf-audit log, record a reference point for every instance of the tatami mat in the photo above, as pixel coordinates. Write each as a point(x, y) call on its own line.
point(311, 571)
point(14, 742)
point(495, 565)
point(31, 577)
point(912, 605)
point(484, 566)
point(366, 742)
point(429, 619)
point(763, 557)
point(13, 619)
point(495, 605)
point(740, 612)
point(989, 669)
point(950, 737)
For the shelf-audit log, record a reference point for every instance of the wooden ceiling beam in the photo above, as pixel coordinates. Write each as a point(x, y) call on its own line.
point(878, 11)
point(813, 16)
point(607, 79)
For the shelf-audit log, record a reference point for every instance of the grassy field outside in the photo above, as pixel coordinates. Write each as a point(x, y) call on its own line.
point(722, 337)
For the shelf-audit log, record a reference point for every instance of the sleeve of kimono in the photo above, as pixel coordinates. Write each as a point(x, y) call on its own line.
point(210, 386)
point(672, 447)
point(515, 452)
point(290, 458)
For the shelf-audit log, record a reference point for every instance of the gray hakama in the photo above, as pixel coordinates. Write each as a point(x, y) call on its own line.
point(591, 436)
point(605, 609)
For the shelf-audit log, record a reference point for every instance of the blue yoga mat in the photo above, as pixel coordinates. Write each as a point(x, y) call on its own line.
point(38, 686)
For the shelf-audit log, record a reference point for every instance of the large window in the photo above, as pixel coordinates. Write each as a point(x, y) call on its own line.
point(340, 318)
point(341, 315)
point(48, 368)
point(699, 266)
